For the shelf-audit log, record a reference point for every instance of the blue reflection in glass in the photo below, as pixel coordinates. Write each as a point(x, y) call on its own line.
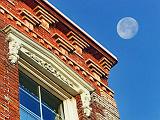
point(30, 102)
point(48, 114)
point(25, 114)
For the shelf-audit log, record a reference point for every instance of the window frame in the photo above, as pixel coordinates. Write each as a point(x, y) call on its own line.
point(69, 102)
point(39, 97)
point(63, 90)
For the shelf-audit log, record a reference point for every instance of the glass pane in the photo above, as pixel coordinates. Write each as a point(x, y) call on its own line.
point(28, 84)
point(50, 105)
point(50, 100)
point(48, 114)
point(27, 115)
point(29, 101)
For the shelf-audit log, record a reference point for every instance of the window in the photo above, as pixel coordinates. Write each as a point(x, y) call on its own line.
point(36, 103)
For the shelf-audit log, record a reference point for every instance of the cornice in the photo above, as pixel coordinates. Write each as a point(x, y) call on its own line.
point(80, 29)
point(48, 61)
point(45, 40)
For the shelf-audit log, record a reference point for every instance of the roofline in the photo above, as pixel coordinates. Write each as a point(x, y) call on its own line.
point(80, 29)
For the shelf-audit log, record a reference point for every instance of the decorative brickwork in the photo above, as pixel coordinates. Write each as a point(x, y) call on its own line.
point(72, 48)
point(84, 59)
point(104, 107)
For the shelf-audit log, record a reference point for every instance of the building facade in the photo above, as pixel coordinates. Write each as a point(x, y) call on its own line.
point(50, 69)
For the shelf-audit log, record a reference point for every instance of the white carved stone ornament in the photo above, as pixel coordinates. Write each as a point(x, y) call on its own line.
point(48, 67)
point(14, 47)
point(86, 98)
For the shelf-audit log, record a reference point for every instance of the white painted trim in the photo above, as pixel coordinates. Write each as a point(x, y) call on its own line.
point(14, 48)
point(40, 101)
point(31, 54)
point(86, 98)
point(69, 102)
point(49, 57)
point(70, 109)
point(43, 80)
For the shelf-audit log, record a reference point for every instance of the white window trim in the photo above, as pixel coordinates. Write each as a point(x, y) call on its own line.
point(29, 65)
point(69, 102)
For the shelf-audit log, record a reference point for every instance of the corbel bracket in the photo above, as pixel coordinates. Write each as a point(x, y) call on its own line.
point(86, 98)
point(14, 47)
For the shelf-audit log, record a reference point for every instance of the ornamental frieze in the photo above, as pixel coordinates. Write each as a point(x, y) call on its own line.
point(47, 66)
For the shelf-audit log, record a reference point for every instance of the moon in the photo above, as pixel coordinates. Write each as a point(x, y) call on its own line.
point(127, 27)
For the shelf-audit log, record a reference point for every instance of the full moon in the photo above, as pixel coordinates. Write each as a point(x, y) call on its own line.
point(127, 27)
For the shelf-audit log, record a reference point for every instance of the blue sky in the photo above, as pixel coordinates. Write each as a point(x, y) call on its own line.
point(136, 78)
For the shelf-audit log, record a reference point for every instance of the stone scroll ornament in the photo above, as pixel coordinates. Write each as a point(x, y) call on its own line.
point(86, 98)
point(14, 47)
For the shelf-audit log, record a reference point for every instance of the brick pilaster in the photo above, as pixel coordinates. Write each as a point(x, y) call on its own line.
point(81, 114)
point(9, 82)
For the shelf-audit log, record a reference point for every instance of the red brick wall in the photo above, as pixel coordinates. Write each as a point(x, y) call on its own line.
point(9, 81)
point(9, 101)
point(97, 109)
point(81, 114)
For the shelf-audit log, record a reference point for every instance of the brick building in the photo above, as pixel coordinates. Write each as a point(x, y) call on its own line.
point(50, 68)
